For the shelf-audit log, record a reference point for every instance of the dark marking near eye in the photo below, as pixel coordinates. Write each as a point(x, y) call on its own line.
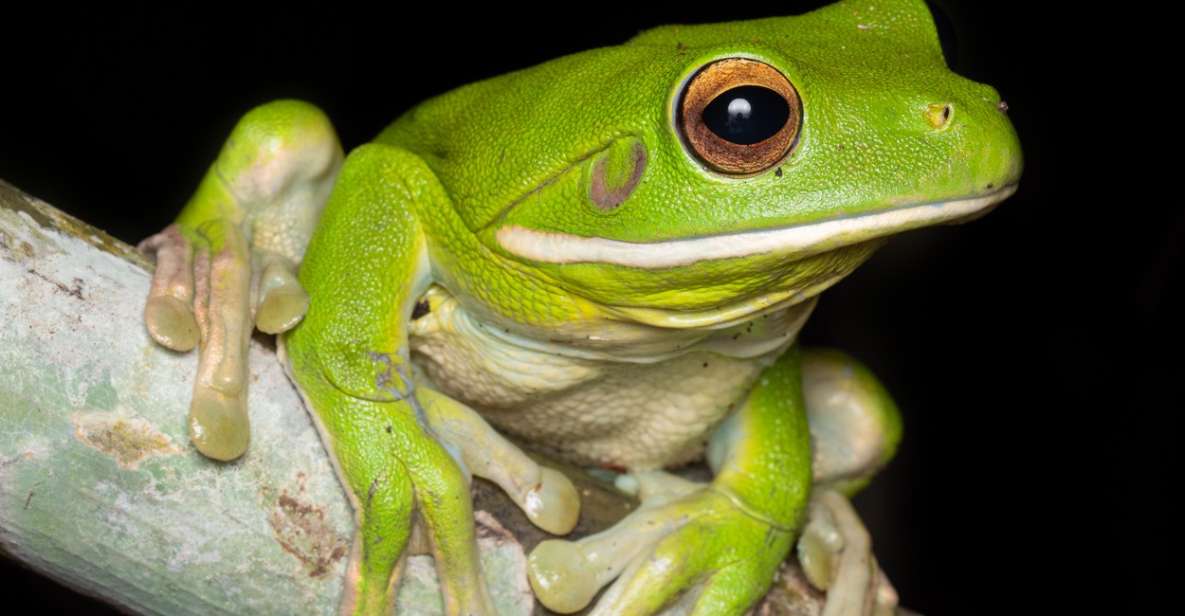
point(778, 172)
point(421, 308)
point(608, 197)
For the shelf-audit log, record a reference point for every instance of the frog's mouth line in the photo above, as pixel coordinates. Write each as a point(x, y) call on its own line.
point(794, 241)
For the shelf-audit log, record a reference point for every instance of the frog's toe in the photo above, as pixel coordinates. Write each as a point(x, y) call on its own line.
point(835, 552)
point(168, 313)
point(282, 301)
point(656, 487)
point(553, 505)
point(564, 575)
point(170, 322)
point(546, 496)
point(218, 413)
point(218, 424)
point(820, 546)
point(885, 601)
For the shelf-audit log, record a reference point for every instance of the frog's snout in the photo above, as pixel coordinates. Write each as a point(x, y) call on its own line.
point(973, 121)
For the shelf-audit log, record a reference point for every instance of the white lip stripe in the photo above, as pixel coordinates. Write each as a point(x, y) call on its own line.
point(550, 247)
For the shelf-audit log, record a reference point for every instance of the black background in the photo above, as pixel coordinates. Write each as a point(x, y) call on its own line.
point(1017, 346)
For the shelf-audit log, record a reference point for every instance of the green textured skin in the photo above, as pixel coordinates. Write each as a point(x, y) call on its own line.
point(424, 203)
point(865, 71)
point(360, 305)
point(769, 472)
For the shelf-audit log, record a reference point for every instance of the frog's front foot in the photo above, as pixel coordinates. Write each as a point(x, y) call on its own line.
point(689, 543)
point(836, 554)
point(210, 290)
point(228, 265)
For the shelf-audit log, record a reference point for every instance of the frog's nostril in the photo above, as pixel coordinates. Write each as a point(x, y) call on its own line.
point(938, 115)
point(1002, 106)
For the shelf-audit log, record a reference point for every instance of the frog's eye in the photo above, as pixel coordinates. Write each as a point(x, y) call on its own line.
point(739, 116)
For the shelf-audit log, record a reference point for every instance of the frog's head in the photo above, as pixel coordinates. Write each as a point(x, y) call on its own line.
point(699, 173)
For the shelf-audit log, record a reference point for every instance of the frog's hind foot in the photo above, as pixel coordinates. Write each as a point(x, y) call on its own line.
point(834, 550)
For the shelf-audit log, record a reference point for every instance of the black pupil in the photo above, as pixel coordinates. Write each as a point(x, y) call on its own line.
point(747, 114)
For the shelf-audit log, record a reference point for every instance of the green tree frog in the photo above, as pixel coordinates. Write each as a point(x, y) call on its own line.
point(607, 256)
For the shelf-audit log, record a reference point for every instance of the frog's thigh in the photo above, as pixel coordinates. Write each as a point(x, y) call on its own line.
point(855, 426)
point(547, 497)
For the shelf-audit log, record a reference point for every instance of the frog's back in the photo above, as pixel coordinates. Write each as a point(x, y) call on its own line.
point(493, 141)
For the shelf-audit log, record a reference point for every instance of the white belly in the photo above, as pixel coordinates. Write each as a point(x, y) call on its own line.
point(594, 410)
